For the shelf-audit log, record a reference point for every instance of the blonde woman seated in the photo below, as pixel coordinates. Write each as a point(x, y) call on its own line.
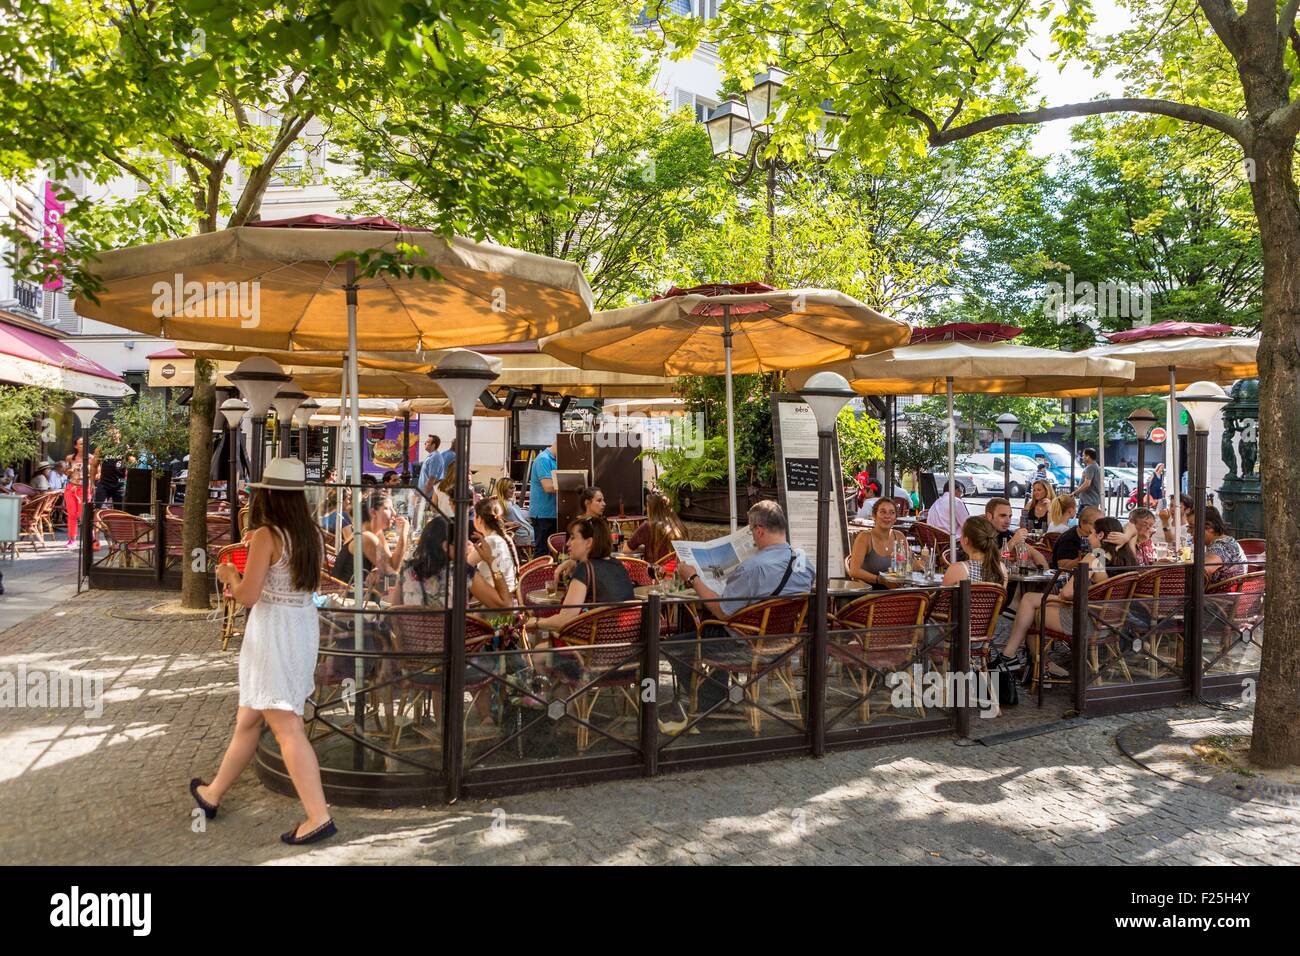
point(873, 550)
point(1058, 612)
point(1061, 514)
point(1037, 515)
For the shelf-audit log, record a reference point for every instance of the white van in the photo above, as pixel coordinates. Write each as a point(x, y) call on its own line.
point(1023, 470)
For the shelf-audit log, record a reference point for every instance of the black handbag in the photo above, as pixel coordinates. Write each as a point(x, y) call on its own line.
point(1008, 693)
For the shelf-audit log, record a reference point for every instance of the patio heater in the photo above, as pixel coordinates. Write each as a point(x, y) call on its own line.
point(285, 403)
point(302, 418)
point(1007, 424)
point(826, 393)
point(233, 410)
point(462, 375)
point(85, 409)
point(258, 379)
point(1142, 420)
point(1203, 401)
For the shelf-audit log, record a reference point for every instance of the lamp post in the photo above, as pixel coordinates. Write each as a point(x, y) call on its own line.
point(462, 375)
point(285, 403)
point(742, 131)
point(406, 444)
point(826, 393)
point(1007, 424)
point(258, 379)
point(233, 410)
point(1203, 401)
point(302, 418)
point(1142, 420)
point(85, 409)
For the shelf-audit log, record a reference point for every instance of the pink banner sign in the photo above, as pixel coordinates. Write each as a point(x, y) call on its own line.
point(53, 229)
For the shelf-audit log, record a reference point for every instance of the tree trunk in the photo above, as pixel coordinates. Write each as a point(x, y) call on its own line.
point(1276, 738)
point(196, 563)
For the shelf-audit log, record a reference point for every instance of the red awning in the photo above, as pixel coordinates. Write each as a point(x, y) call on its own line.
point(29, 357)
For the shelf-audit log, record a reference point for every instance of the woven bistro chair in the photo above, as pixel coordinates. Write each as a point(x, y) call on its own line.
point(986, 601)
point(236, 554)
point(1234, 611)
point(555, 543)
point(1156, 611)
point(611, 636)
point(775, 628)
point(637, 570)
point(129, 536)
point(421, 630)
point(1253, 548)
point(1108, 611)
point(886, 627)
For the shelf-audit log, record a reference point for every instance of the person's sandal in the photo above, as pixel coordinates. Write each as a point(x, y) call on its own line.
point(209, 809)
point(322, 832)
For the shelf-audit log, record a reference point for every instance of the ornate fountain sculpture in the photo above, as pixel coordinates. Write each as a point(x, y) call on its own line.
point(1239, 448)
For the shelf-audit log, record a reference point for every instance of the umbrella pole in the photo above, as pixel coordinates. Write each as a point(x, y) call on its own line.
point(952, 481)
point(1171, 454)
point(731, 416)
point(358, 560)
point(1101, 450)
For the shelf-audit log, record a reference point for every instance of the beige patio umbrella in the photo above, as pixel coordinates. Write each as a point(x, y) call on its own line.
point(517, 366)
point(276, 287)
point(728, 329)
point(990, 367)
point(1169, 355)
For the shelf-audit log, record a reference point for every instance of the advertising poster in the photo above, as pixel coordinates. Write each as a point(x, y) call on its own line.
point(382, 448)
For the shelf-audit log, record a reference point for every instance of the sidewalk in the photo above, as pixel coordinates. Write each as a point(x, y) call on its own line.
point(36, 581)
point(111, 789)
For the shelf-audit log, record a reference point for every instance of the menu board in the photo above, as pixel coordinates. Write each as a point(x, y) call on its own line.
point(795, 432)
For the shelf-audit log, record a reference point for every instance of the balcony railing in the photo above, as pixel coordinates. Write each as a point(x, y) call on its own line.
point(30, 297)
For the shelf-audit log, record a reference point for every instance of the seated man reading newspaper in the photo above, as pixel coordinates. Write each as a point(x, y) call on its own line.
point(773, 568)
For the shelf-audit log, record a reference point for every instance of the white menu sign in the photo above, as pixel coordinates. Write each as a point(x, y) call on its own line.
point(796, 479)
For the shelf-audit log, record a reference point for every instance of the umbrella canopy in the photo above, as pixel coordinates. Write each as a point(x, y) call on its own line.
point(517, 366)
point(1191, 358)
point(683, 334)
point(998, 367)
point(965, 332)
point(279, 285)
point(1165, 330)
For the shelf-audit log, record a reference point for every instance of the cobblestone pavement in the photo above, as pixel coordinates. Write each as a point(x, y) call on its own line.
point(112, 789)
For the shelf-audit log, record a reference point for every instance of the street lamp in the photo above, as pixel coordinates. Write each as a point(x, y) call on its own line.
point(743, 131)
point(1142, 420)
point(85, 409)
point(258, 379)
point(1203, 400)
point(1007, 424)
point(285, 403)
point(826, 393)
point(462, 375)
point(302, 418)
point(233, 410)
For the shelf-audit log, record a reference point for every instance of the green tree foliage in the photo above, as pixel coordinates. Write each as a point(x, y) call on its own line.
point(861, 440)
point(922, 444)
point(149, 430)
point(21, 410)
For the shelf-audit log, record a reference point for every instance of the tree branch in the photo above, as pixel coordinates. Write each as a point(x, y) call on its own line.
point(1224, 21)
point(250, 201)
point(1228, 125)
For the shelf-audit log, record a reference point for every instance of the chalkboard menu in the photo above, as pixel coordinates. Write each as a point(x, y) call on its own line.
point(794, 430)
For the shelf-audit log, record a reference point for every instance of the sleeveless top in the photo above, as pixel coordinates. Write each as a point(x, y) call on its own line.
point(278, 588)
point(343, 563)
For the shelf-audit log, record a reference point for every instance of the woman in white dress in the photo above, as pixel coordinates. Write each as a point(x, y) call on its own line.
point(277, 660)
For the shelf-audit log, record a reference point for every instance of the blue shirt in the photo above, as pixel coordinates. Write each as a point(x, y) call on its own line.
point(757, 577)
point(434, 468)
point(541, 504)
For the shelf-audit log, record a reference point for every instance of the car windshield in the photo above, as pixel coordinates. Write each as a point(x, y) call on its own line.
point(974, 466)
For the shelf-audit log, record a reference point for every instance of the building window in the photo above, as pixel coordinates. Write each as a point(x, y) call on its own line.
point(706, 9)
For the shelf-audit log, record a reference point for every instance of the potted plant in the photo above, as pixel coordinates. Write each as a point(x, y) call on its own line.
point(149, 432)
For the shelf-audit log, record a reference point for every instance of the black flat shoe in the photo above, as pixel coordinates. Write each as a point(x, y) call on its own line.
point(208, 809)
point(322, 832)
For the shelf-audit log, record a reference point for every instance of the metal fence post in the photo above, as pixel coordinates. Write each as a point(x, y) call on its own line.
point(160, 540)
point(651, 611)
point(961, 656)
point(1080, 644)
point(1193, 660)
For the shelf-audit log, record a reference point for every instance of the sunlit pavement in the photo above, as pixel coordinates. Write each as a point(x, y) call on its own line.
point(80, 788)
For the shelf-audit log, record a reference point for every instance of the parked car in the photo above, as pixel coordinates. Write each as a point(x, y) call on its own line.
point(1023, 471)
point(987, 481)
point(963, 478)
point(1058, 458)
point(1121, 482)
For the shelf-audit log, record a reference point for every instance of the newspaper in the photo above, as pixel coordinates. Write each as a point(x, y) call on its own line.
point(716, 559)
